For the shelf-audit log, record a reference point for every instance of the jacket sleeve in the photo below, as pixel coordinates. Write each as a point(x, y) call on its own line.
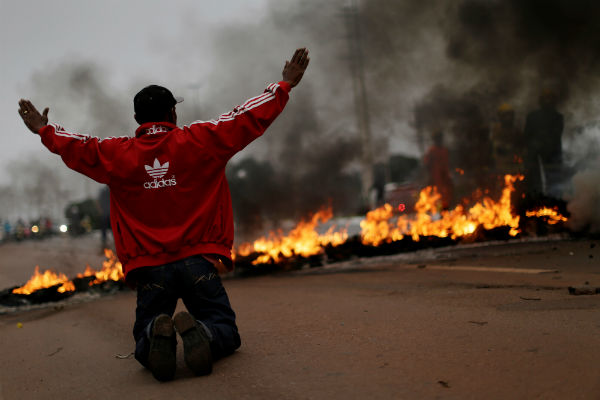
point(233, 131)
point(88, 155)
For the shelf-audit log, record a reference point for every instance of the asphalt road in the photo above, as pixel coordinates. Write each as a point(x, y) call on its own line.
point(470, 322)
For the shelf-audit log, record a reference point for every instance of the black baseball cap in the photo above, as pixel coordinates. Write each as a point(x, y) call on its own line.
point(154, 102)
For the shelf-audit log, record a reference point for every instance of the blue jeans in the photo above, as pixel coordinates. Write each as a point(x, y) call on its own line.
point(196, 281)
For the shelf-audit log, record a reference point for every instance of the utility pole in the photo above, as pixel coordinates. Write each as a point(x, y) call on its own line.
point(361, 104)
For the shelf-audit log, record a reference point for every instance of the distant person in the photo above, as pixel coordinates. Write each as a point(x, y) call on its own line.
point(7, 230)
point(377, 192)
point(48, 226)
point(20, 230)
point(74, 215)
point(438, 169)
point(507, 142)
point(543, 138)
point(171, 213)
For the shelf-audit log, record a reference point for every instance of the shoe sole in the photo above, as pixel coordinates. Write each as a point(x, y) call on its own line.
point(162, 358)
point(196, 345)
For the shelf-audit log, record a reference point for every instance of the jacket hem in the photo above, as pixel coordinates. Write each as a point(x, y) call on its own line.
point(154, 260)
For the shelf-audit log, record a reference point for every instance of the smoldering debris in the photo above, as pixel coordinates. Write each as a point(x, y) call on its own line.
point(46, 297)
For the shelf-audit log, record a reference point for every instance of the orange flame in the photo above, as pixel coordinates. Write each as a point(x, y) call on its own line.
point(303, 240)
point(376, 228)
point(381, 226)
point(45, 280)
point(385, 224)
point(551, 215)
point(111, 270)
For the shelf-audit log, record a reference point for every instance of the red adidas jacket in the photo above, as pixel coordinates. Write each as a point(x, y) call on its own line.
point(169, 197)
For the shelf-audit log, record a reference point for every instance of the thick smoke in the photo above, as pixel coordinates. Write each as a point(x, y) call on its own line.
point(583, 204)
point(584, 195)
point(486, 52)
point(428, 65)
point(458, 61)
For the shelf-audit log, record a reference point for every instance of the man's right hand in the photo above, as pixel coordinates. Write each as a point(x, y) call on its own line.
point(294, 69)
point(32, 117)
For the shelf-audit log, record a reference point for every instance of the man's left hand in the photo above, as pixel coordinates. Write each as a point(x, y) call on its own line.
point(32, 117)
point(294, 69)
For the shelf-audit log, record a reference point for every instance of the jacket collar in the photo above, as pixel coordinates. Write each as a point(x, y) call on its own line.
point(151, 128)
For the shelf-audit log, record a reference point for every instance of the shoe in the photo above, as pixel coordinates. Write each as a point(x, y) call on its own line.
point(196, 343)
point(163, 345)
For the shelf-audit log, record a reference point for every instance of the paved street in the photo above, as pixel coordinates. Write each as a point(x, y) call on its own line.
point(469, 322)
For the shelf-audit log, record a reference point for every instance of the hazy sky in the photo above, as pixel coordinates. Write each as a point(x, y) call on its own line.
point(132, 40)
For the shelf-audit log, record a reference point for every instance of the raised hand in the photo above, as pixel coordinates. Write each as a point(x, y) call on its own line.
point(32, 117)
point(294, 69)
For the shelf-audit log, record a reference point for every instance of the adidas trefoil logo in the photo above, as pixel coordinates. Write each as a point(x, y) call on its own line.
point(157, 171)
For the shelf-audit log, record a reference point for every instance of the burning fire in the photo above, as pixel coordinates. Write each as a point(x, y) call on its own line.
point(385, 225)
point(111, 270)
point(380, 225)
point(48, 279)
point(303, 240)
point(551, 215)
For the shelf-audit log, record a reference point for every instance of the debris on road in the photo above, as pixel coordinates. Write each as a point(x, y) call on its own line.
point(583, 290)
point(444, 384)
point(55, 352)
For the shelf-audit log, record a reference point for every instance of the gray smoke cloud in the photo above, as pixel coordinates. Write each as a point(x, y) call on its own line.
point(428, 65)
point(584, 194)
point(507, 51)
point(583, 203)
